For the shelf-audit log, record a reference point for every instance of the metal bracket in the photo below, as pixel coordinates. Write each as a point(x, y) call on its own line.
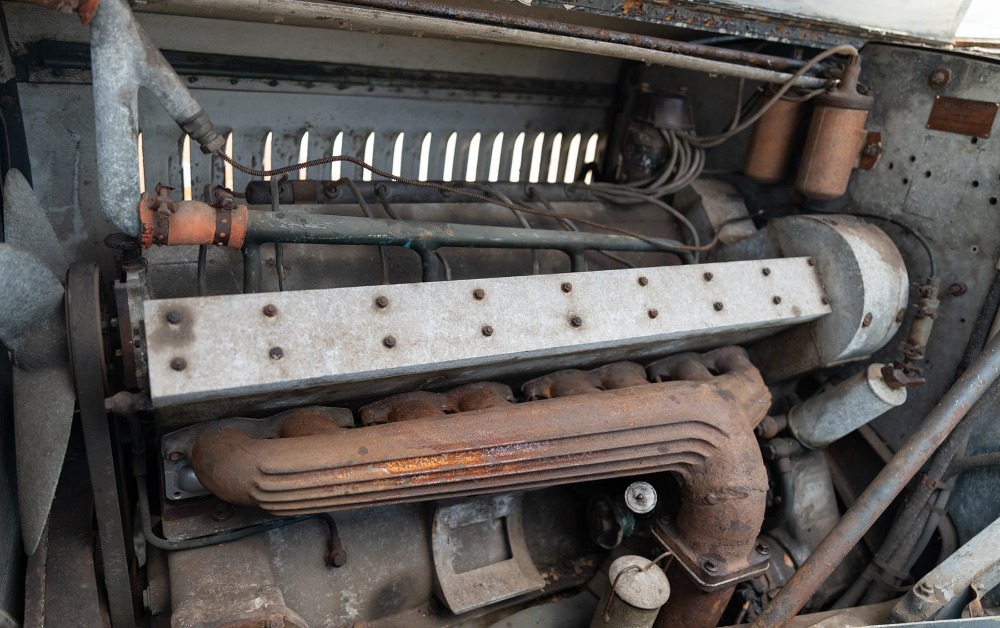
point(481, 586)
point(710, 572)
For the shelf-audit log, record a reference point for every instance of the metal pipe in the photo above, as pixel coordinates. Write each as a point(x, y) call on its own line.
point(535, 24)
point(884, 488)
point(123, 60)
point(328, 15)
point(301, 228)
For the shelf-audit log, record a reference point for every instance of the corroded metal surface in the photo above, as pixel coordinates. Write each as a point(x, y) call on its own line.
point(701, 430)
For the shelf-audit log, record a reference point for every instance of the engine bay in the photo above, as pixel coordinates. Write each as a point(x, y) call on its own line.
point(495, 314)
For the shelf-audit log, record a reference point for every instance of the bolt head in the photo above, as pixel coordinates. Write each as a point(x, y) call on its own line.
point(776, 300)
point(765, 271)
point(178, 364)
point(276, 353)
point(389, 341)
point(811, 261)
point(939, 78)
point(653, 313)
point(487, 330)
point(478, 294)
point(762, 549)
point(708, 276)
point(867, 320)
point(175, 456)
point(710, 566)
point(825, 300)
point(174, 317)
point(566, 287)
point(270, 309)
point(643, 281)
point(382, 301)
point(576, 321)
point(718, 306)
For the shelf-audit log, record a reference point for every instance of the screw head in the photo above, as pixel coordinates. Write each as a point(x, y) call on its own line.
point(566, 287)
point(478, 294)
point(389, 341)
point(708, 276)
point(382, 301)
point(765, 271)
point(576, 321)
point(270, 309)
point(276, 353)
point(825, 300)
point(487, 330)
point(643, 281)
point(653, 313)
point(718, 306)
point(776, 300)
point(867, 321)
point(811, 261)
point(710, 566)
point(175, 456)
point(174, 317)
point(178, 364)
point(762, 549)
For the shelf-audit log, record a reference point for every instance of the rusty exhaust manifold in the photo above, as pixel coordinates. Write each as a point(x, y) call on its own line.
point(697, 421)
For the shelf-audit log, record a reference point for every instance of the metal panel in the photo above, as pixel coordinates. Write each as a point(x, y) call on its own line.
point(227, 344)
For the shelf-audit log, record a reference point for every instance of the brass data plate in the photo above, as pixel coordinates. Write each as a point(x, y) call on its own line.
point(965, 117)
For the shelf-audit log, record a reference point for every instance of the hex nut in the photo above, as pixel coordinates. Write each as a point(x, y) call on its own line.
point(765, 271)
point(576, 321)
point(174, 317)
point(478, 294)
point(653, 313)
point(389, 341)
point(270, 309)
point(776, 300)
point(566, 287)
point(487, 330)
point(276, 353)
point(643, 281)
point(708, 276)
point(718, 306)
point(382, 301)
point(178, 364)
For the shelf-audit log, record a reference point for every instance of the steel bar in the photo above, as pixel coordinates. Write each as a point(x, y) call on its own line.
point(328, 15)
point(955, 404)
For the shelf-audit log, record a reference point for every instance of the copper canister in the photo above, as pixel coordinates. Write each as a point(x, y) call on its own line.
point(772, 142)
point(836, 136)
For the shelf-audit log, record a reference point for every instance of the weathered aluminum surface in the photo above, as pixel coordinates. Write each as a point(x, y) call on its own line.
point(843, 408)
point(638, 589)
point(464, 590)
point(337, 338)
point(944, 592)
point(865, 280)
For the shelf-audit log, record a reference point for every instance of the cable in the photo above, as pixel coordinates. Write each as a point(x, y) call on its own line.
point(666, 245)
point(711, 141)
point(912, 231)
point(931, 264)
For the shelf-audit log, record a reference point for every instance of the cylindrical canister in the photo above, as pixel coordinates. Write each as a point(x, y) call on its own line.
point(838, 411)
point(636, 594)
point(836, 137)
point(773, 141)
